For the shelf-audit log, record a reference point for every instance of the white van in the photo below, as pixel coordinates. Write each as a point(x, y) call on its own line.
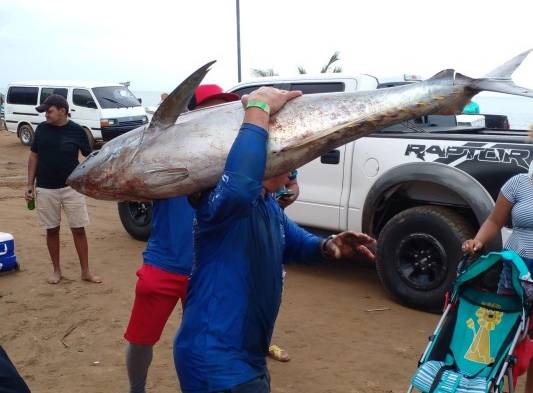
point(104, 110)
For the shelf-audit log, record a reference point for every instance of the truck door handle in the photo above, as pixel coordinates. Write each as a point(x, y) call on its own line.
point(332, 157)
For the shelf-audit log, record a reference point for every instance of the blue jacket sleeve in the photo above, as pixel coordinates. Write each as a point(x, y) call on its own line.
point(241, 182)
point(300, 245)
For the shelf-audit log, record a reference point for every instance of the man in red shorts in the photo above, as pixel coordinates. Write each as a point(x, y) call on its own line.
point(164, 275)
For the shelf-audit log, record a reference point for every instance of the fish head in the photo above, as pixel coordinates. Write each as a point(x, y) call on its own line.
point(102, 173)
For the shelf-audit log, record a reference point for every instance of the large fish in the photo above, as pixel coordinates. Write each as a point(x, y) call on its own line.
point(180, 154)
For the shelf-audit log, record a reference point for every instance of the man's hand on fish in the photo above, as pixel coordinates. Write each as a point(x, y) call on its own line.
point(275, 98)
point(286, 200)
point(349, 244)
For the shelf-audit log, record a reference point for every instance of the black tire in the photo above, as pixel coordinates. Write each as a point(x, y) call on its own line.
point(90, 137)
point(26, 134)
point(417, 255)
point(136, 217)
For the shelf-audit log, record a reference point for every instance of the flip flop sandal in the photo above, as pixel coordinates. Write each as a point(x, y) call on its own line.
point(278, 354)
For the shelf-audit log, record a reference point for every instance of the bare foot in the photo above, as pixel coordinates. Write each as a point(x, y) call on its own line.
point(54, 278)
point(91, 278)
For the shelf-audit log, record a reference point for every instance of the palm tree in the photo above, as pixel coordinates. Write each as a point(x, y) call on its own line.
point(333, 59)
point(327, 68)
point(264, 72)
point(301, 70)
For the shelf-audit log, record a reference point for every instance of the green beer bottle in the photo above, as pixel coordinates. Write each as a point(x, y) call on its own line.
point(31, 203)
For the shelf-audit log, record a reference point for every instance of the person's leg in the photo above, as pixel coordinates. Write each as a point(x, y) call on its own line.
point(52, 241)
point(275, 351)
point(258, 385)
point(49, 216)
point(76, 211)
point(138, 360)
point(156, 295)
point(529, 379)
point(82, 248)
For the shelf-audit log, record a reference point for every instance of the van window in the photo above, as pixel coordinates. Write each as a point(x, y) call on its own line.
point(48, 91)
point(318, 87)
point(392, 84)
point(115, 97)
point(248, 89)
point(82, 97)
point(22, 95)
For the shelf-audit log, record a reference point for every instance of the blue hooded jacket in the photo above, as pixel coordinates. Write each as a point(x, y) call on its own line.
point(241, 240)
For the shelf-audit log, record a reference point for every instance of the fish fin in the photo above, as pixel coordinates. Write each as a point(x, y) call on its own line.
point(160, 177)
point(499, 80)
point(176, 103)
point(500, 86)
point(444, 74)
point(506, 70)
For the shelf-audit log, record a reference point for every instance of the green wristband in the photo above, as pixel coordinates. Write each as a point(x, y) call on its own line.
point(259, 104)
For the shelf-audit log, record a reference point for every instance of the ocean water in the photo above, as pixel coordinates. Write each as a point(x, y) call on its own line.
point(519, 110)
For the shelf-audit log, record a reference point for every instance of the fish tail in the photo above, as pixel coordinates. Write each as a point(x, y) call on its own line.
point(498, 80)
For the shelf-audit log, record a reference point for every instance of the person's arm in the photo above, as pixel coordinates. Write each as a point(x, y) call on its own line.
point(302, 246)
point(241, 182)
point(491, 227)
point(33, 159)
point(32, 170)
point(85, 146)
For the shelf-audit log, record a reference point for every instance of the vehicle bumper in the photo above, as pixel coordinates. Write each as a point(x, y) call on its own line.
point(112, 132)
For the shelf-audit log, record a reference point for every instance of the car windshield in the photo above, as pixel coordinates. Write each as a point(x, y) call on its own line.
point(115, 97)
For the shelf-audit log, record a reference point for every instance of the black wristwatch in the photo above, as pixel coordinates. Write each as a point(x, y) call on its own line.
point(324, 242)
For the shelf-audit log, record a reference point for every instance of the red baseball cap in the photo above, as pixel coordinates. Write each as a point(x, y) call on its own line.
point(209, 92)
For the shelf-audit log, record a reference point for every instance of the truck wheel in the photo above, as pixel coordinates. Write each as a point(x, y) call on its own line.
point(417, 255)
point(136, 217)
point(90, 137)
point(26, 134)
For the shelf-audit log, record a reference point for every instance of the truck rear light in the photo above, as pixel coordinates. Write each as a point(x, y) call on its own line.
point(412, 78)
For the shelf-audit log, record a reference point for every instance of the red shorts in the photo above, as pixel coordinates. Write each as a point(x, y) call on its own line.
point(156, 295)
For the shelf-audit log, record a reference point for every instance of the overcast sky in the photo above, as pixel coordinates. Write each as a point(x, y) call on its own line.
point(155, 44)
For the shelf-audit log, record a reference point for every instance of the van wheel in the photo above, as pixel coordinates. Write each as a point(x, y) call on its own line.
point(90, 137)
point(417, 255)
point(26, 134)
point(136, 217)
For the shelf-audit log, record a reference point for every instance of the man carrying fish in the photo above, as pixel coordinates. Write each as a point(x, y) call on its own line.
point(242, 239)
point(167, 260)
